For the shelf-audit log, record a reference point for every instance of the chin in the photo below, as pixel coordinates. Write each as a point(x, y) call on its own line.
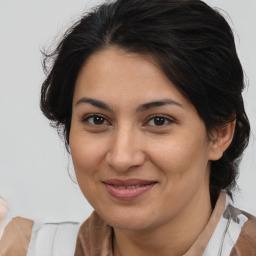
point(128, 220)
point(130, 225)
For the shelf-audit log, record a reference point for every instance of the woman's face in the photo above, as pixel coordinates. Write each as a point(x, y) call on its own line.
point(140, 150)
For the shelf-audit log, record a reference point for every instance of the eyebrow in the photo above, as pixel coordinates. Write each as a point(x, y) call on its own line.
point(157, 103)
point(96, 103)
point(140, 108)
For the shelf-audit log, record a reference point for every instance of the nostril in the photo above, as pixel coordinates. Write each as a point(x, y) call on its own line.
point(126, 160)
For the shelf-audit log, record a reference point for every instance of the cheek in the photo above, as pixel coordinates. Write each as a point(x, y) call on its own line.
point(181, 157)
point(87, 152)
point(87, 158)
point(184, 171)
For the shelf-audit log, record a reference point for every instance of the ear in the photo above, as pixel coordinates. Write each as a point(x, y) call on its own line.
point(220, 139)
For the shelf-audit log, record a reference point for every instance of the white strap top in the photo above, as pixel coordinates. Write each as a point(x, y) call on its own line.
point(53, 239)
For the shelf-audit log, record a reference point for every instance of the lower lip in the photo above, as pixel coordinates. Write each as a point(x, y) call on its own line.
point(127, 193)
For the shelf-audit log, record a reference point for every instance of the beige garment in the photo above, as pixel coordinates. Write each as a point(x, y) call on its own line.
point(246, 242)
point(16, 237)
point(229, 231)
point(95, 236)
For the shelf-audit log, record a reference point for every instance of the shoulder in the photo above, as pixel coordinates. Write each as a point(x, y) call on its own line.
point(53, 239)
point(16, 237)
point(235, 232)
point(246, 242)
point(23, 237)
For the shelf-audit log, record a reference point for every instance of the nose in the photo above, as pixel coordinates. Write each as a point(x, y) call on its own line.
point(125, 151)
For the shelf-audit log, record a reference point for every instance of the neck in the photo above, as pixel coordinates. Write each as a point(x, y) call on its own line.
point(173, 238)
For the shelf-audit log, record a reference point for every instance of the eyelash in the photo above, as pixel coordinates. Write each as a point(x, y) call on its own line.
point(155, 118)
point(163, 118)
point(93, 116)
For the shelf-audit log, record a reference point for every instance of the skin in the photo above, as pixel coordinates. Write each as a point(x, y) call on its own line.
point(127, 142)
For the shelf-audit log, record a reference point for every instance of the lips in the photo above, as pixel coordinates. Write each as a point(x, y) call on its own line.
point(128, 189)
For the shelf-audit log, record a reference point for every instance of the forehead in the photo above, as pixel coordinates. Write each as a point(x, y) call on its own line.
point(116, 76)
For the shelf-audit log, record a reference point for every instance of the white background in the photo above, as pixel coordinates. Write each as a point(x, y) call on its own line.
point(33, 163)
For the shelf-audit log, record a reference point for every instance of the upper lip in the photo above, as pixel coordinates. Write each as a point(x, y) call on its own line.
point(128, 182)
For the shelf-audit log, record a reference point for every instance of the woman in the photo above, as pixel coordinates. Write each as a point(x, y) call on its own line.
point(147, 94)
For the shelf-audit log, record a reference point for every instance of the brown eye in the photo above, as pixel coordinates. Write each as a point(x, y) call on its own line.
point(159, 121)
point(96, 120)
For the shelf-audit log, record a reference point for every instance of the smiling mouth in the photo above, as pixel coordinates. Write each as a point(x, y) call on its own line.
point(128, 189)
